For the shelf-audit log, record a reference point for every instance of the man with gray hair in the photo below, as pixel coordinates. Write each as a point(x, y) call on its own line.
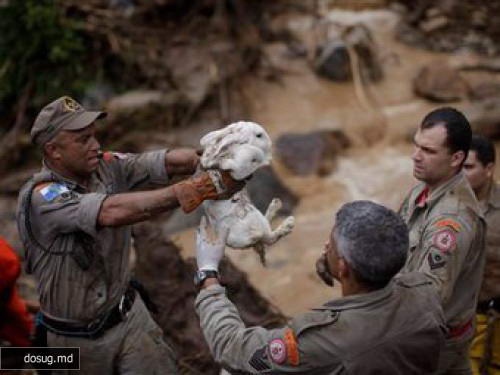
point(380, 325)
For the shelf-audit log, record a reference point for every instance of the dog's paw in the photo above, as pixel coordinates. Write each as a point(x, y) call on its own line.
point(288, 224)
point(275, 204)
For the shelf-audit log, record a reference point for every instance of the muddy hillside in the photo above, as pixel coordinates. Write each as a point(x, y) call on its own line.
point(340, 87)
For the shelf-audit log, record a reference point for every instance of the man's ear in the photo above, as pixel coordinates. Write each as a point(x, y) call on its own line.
point(344, 271)
point(51, 150)
point(490, 169)
point(457, 158)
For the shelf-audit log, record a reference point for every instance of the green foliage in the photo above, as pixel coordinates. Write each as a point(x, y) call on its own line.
point(39, 44)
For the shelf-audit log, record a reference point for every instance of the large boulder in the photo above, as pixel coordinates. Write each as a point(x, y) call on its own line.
point(333, 60)
point(484, 117)
point(484, 91)
point(266, 185)
point(311, 153)
point(441, 83)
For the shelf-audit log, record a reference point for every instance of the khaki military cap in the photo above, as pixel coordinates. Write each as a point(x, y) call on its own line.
point(64, 113)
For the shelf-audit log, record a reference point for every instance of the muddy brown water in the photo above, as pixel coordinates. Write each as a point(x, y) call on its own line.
point(377, 169)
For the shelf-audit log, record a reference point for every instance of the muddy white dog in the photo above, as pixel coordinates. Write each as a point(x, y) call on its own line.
point(241, 148)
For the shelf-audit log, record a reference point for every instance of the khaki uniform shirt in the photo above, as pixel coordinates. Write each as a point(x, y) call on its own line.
point(63, 219)
point(447, 235)
point(395, 330)
point(491, 280)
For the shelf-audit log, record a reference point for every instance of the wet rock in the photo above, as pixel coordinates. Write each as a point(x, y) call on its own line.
point(484, 117)
point(311, 153)
point(134, 116)
point(441, 83)
point(434, 24)
point(136, 100)
point(195, 69)
point(168, 279)
point(332, 59)
point(484, 90)
point(455, 26)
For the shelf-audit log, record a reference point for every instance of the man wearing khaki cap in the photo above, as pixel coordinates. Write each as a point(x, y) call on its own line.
point(74, 219)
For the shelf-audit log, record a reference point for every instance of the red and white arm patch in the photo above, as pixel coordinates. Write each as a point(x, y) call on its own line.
point(445, 240)
point(109, 156)
point(277, 351)
point(285, 349)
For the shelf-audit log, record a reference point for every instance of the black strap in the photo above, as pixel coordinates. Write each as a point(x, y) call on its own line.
point(27, 220)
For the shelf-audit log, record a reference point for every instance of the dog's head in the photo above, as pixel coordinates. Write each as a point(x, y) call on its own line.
point(224, 144)
point(243, 160)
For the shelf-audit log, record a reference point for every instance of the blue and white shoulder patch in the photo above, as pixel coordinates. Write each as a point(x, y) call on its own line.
point(52, 191)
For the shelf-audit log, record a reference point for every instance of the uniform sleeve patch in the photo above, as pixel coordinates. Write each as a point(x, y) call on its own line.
point(445, 240)
point(277, 351)
point(449, 223)
point(292, 348)
point(52, 191)
point(109, 156)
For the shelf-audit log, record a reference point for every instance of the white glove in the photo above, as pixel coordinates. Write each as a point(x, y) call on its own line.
point(210, 245)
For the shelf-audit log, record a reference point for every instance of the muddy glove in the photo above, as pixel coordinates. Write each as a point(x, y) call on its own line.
point(210, 245)
point(323, 270)
point(211, 184)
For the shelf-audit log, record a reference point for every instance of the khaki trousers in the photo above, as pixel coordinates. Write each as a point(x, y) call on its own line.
point(134, 346)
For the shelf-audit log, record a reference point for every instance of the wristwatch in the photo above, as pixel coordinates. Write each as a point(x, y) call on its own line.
point(201, 275)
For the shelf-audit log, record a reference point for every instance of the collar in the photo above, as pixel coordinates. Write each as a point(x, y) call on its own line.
point(406, 280)
point(437, 193)
point(359, 301)
point(70, 184)
point(445, 187)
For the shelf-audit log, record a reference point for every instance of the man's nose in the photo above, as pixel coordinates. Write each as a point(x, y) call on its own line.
point(95, 144)
point(417, 156)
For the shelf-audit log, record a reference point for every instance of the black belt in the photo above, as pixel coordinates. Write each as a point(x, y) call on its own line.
point(484, 306)
point(97, 327)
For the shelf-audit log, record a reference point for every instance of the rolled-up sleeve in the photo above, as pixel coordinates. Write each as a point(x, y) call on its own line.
point(140, 169)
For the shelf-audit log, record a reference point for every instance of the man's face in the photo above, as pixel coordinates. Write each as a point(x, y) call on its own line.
point(478, 174)
point(433, 163)
point(77, 150)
